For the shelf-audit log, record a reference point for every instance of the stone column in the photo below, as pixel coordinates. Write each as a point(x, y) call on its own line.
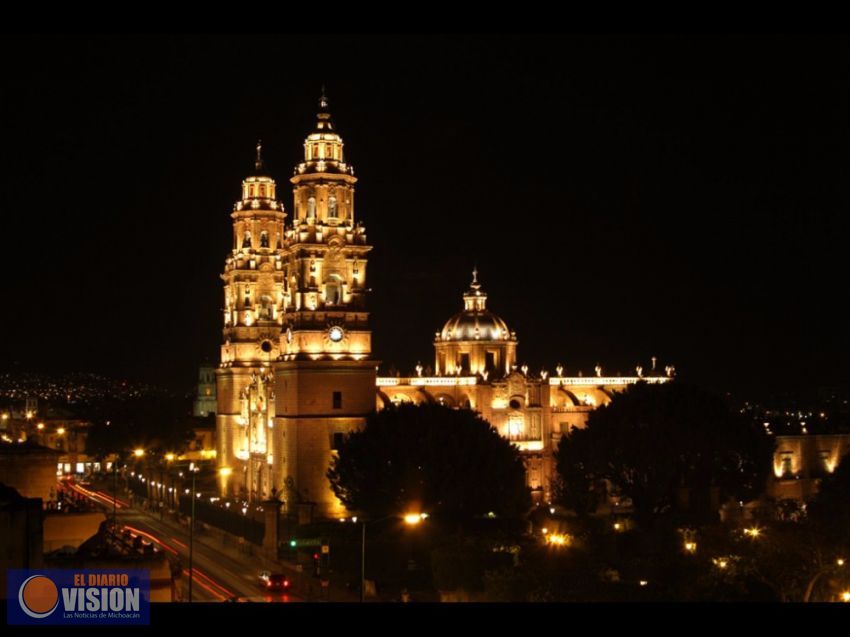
point(271, 513)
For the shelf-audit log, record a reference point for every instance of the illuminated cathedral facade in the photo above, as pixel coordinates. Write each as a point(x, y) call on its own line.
point(297, 372)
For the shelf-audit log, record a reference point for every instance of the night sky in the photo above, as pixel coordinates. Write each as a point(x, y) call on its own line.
point(684, 197)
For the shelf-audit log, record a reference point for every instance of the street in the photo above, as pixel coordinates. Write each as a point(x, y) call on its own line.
point(219, 576)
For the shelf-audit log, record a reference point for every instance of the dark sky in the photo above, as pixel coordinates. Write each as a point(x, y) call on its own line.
point(685, 197)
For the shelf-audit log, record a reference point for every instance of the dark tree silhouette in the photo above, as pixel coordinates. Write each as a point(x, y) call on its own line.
point(651, 441)
point(440, 460)
point(830, 510)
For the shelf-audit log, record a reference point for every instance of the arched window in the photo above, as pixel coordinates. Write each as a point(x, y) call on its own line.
point(311, 207)
point(266, 307)
point(332, 207)
point(264, 239)
point(333, 294)
point(246, 241)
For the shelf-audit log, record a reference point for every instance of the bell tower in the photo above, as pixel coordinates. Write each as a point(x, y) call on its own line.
point(325, 255)
point(254, 305)
point(325, 375)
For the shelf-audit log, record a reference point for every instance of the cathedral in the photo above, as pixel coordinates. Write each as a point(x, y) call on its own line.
point(297, 373)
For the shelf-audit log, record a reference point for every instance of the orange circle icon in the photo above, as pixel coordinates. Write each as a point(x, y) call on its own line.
point(39, 594)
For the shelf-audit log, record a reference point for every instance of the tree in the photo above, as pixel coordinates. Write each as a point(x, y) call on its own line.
point(830, 509)
point(440, 460)
point(651, 441)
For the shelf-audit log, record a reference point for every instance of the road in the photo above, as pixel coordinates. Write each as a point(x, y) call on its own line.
point(218, 576)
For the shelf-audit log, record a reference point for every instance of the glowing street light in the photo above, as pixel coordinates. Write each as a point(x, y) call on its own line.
point(414, 518)
point(169, 457)
point(840, 561)
point(691, 547)
point(61, 431)
point(845, 596)
point(753, 532)
point(558, 539)
point(40, 426)
point(138, 452)
point(224, 472)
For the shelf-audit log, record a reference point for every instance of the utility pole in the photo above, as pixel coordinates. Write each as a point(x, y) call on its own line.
point(363, 564)
point(192, 536)
point(115, 494)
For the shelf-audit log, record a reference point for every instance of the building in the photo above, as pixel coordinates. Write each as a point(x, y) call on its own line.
point(476, 367)
point(21, 532)
point(30, 469)
point(296, 369)
point(801, 461)
point(205, 402)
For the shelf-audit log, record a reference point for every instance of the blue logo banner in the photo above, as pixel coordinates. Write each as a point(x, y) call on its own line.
point(78, 596)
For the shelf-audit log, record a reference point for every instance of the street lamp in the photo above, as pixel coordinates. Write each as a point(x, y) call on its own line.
point(194, 471)
point(411, 519)
point(115, 493)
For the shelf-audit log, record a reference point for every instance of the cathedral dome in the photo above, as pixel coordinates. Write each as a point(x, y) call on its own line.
point(475, 322)
point(475, 326)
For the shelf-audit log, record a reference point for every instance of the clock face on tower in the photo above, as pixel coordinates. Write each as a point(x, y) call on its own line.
point(336, 333)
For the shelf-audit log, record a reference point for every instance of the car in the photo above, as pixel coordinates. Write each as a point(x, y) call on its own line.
point(274, 581)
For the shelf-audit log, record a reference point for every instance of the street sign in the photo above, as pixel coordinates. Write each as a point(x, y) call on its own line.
point(308, 541)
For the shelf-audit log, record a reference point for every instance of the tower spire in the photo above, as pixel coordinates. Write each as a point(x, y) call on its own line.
point(258, 164)
point(474, 299)
point(475, 286)
point(323, 101)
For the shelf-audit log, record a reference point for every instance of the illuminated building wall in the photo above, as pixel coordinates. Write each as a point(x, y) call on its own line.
point(799, 462)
